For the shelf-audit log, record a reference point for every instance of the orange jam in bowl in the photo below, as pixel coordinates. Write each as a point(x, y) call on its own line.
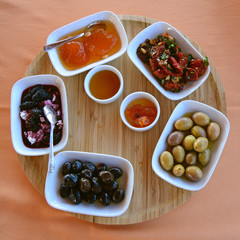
point(96, 45)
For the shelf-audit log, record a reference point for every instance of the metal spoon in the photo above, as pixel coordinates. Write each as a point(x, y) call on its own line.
point(61, 42)
point(51, 116)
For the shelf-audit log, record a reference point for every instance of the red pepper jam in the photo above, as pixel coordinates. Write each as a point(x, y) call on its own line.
point(141, 112)
point(96, 45)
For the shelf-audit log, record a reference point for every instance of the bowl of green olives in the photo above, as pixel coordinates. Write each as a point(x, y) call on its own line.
point(190, 145)
point(90, 183)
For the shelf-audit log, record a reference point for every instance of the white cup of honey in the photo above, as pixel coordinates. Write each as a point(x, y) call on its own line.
point(104, 84)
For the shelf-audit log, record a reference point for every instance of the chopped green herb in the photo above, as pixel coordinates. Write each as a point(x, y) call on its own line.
point(171, 46)
point(163, 56)
point(162, 81)
point(190, 58)
point(205, 61)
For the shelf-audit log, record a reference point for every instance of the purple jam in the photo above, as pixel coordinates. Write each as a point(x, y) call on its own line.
point(35, 126)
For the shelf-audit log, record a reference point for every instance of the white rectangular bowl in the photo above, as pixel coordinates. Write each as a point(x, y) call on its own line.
point(60, 32)
point(55, 179)
point(189, 106)
point(16, 127)
point(187, 48)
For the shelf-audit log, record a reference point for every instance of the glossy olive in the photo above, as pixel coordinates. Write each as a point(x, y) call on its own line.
point(85, 185)
point(66, 168)
point(118, 195)
point(178, 153)
point(70, 180)
point(86, 173)
point(204, 157)
point(75, 195)
point(89, 165)
point(117, 172)
point(213, 131)
point(166, 160)
point(200, 144)
point(178, 170)
point(201, 119)
point(198, 131)
point(101, 167)
point(106, 177)
point(90, 197)
point(193, 173)
point(76, 166)
point(187, 142)
point(183, 123)
point(105, 199)
point(175, 138)
point(96, 186)
point(110, 187)
point(191, 158)
point(64, 191)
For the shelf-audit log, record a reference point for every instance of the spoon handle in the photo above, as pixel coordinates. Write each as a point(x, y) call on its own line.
point(51, 164)
point(61, 42)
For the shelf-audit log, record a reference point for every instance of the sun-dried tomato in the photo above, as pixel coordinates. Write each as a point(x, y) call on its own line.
point(191, 74)
point(172, 86)
point(160, 73)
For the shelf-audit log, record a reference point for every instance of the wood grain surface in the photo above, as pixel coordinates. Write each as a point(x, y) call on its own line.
point(98, 128)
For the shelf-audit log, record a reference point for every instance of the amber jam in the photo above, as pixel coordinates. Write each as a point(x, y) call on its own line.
point(141, 112)
point(104, 84)
point(96, 45)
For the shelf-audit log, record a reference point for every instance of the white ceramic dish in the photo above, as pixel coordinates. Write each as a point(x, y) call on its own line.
point(55, 179)
point(151, 32)
point(60, 32)
point(16, 129)
point(132, 97)
point(92, 72)
point(189, 106)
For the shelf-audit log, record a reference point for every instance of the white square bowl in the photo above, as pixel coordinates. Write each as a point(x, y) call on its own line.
point(55, 179)
point(189, 106)
point(187, 48)
point(16, 128)
point(60, 32)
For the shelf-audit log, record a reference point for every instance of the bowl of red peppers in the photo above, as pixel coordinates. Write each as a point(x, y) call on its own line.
point(168, 60)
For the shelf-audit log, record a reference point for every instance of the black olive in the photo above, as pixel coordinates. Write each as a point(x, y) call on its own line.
point(89, 165)
point(96, 187)
point(86, 173)
point(118, 195)
point(76, 166)
point(66, 168)
point(70, 180)
point(85, 185)
point(75, 195)
point(40, 96)
point(105, 199)
point(111, 187)
point(90, 197)
point(64, 191)
point(28, 105)
point(27, 97)
point(106, 177)
point(101, 167)
point(117, 172)
point(36, 88)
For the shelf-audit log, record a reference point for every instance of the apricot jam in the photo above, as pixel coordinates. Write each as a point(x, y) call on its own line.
point(96, 45)
point(141, 112)
point(104, 84)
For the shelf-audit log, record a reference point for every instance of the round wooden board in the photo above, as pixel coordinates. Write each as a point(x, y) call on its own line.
point(98, 128)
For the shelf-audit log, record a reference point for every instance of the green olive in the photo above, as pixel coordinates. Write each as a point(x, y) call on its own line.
point(193, 173)
point(201, 119)
point(178, 170)
point(213, 131)
point(178, 153)
point(175, 138)
point(198, 131)
point(188, 142)
point(183, 123)
point(204, 157)
point(166, 160)
point(200, 144)
point(191, 158)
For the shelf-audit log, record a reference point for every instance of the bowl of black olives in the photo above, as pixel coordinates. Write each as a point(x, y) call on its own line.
point(90, 183)
point(190, 145)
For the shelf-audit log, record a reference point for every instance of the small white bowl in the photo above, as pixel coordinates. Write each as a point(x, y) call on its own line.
point(150, 33)
point(189, 106)
point(92, 72)
point(129, 99)
point(55, 179)
point(74, 26)
point(16, 128)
